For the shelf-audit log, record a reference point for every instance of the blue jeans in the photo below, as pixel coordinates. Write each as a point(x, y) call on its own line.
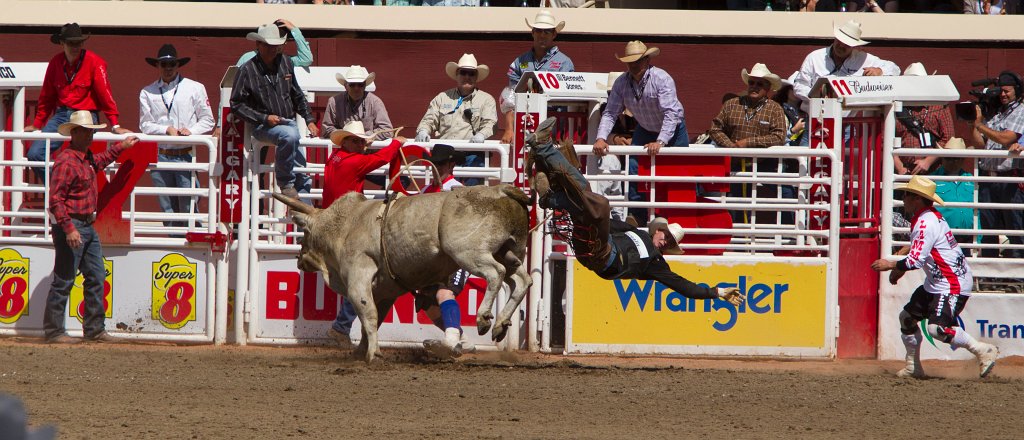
point(288, 155)
point(1000, 192)
point(643, 137)
point(68, 261)
point(346, 315)
point(37, 151)
point(474, 159)
point(174, 179)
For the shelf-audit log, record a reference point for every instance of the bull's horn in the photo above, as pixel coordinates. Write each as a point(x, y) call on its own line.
point(295, 204)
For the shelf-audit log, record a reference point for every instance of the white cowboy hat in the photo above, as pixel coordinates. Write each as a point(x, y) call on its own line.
point(954, 143)
point(673, 233)
point(544, 20)
point(468, 61)
point(791, 80)
point(849, 34)
point(355, 74)
point(761, 71)
point(612, 76)
point(267, 33)
point(352, 128)
point(923, 187)
point(915, 69)
point(637, 49)
point(81, 118)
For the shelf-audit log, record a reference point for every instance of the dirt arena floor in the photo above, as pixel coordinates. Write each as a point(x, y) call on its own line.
point(93, 391)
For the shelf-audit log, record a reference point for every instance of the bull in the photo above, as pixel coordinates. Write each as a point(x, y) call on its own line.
point(373, 255)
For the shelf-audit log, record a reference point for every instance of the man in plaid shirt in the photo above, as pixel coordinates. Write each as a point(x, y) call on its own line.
point(921, 127)
point(73, 205)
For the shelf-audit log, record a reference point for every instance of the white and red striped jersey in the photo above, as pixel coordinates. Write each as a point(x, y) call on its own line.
point(447, 185)
point(934, 250)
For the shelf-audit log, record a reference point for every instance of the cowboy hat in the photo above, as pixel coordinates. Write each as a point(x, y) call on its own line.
point(761, 71)
point(673, 233)
point(612, 76)
point(267, 33)
point(468, 61)
point(849, 34)
point(637, 49)
point(80, 118)
point(442, 153)
point(14, 421)
point(544, 20)
point(923, 187)
point(954, 143)
point(167, 53)
point(69, 32)
point(352, 128)
point(355, 74)
point(915, 69)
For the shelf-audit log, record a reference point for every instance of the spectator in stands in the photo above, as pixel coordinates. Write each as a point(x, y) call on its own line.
point(1001, 132)
point(345, 172)
point(947, 282)
point(840, 59)
point(76, 79)
point(820, 6)
point(880, 6)
point(649, 93)
point(622, 134)
point(303, 56)
point(267, 95)
point(796, 133)
point(745, 5)
point(957, 191)
point(175, 106)
point(993, 7)
point(73, 204)
point(753, 121)
point(922, 127)
point(544, 56)
point(354, 104)
point(462, 112)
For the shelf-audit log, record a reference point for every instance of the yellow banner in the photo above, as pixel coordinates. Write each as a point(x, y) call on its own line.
point(174, 291)
point(13, 285)
point(77, 306)
point(785, 307)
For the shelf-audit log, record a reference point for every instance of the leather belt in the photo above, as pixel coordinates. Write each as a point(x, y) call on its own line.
point(87, 218)
point(175, 151)
point(1007, 173)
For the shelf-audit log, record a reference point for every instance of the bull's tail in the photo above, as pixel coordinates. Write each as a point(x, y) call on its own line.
point(516, 194)
point(296, 204)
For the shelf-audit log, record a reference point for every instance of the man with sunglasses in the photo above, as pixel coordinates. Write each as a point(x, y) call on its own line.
point(842, 58)
point(355, 104)
point(544, 56)
point(75, 79)
point(174, 106)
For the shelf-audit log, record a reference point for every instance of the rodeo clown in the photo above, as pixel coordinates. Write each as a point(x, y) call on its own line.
point(947, 282)
point(610, 248)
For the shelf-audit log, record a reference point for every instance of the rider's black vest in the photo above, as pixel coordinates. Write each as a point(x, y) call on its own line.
point(636, 252)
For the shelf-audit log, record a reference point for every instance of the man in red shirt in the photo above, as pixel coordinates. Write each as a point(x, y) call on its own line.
point(73, 205)
point(76, 79)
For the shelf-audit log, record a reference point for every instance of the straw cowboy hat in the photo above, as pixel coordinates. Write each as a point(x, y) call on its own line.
point(442, 153)
point(761, 71)
point(544, 20)
point(923, 187)
point(637, 49)
point(915, 69)
point(849, 34)
point(81, 118)
point(612, 76)
point(954, 143)
point(267, 33)
point(167, 53)
point(69, 32)
point(352, 128)
point(355, 74)
point(673, 233)
point(468, 61)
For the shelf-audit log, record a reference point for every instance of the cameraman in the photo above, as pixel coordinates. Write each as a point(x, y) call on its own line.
point(922, 127)
point(1000, 132)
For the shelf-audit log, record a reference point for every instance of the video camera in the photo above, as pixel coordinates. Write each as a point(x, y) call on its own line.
point(988, 96)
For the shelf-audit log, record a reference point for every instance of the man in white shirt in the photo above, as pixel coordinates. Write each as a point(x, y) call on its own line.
point(842, 58)
point(174, 106)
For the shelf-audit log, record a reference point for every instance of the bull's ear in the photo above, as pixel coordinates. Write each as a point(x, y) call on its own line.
point(300, 219)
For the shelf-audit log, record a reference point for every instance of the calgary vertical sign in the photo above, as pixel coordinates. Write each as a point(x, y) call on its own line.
point(231, 157)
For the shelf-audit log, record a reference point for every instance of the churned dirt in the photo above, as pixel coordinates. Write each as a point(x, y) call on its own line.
point(95, 391)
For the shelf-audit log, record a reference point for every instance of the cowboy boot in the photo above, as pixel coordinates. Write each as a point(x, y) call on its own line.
point(569, 152)
point(542, 135)
point(542, 188)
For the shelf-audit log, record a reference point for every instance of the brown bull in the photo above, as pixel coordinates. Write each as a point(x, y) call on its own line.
point(426, 237)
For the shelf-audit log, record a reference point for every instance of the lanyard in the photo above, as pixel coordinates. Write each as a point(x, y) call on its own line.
point(78, 66)
point(169, 104)
point(457, 105)
point(643, 85)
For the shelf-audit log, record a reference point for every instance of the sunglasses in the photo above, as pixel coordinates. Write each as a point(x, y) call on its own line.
point(760, 84)
point(467, 72)
point(167, 64)
point(357, 84)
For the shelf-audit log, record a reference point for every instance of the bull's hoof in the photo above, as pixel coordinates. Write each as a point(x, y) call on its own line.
point(482, 325)
point(499, 331)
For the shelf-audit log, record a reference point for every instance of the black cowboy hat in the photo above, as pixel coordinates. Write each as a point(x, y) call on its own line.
point(167, 53)
point(68, 32)
point(443, 153)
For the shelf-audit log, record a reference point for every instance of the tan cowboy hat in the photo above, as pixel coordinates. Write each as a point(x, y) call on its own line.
point(352, 128)
point(612, 76)
point(954, 143)
point(637, 49)
point(849, 33)
point(674, 234)
point(355, 74)
point(267, 33)
point(923, 187)
point(761, 71)
point(468, 61)
point(915, 69)
point(544, 20)
point(80, 118)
